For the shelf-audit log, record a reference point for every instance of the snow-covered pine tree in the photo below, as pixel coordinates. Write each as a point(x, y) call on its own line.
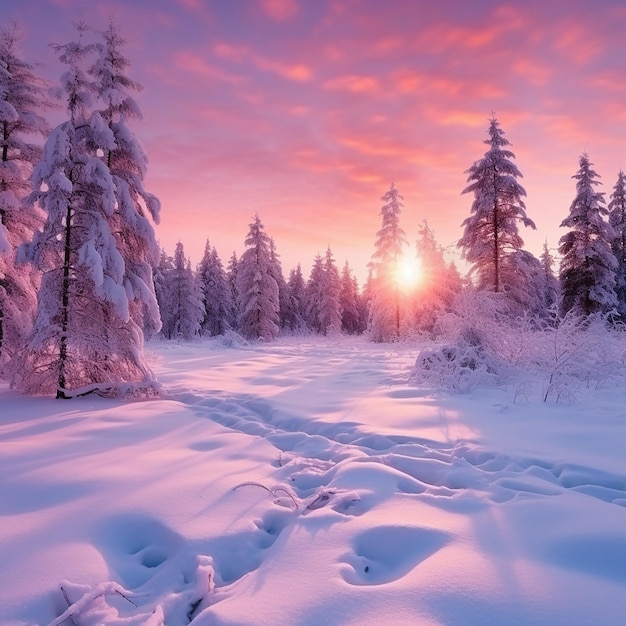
point(349, 301)
point(587, 271)
point(182, 309)
point(22, 100)
point(439, 282)
point(385, 306)
point(83, 335)
point(491, 231)
point(256, 287)
point(276, 271)
point(160, 276)
point(314, 287)
point(216, 294)
point(232, 270)
point(295, 314)
point(330, 307)
point(131, 221)
point(617, 220)
point(550, 285)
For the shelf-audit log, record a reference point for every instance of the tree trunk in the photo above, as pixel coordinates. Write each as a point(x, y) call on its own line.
point(65, 299)
point(496, 235)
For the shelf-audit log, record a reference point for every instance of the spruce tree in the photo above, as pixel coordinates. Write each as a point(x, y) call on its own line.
point(330, 306)
point(617, 220)
point(314, 295)
point(84, 335)
point(491, 231)
point(438, 283)
point(295, 314)
point(256, 287)
point(22, 101)
point(216, 294)
point(349, 301)
point(385, 308)
point(588, 266)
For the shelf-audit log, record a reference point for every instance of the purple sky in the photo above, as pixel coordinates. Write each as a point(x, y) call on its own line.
point(305, 110)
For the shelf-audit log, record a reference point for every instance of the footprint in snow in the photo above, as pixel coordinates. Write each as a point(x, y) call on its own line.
point(387, 553)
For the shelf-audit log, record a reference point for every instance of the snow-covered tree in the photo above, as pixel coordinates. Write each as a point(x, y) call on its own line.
point(438, 282)
point(587, 271)
point(295, 312)
point(352, 321)
point(314, 287)
point(330, 307)
point(549, 295)
point(231, 276)
point(491, 231)
point(135, 208)
point(617, 220)
point(276, 271)
point(22, 100)
point(256, 287)
point(216, 294)
point(180, 297)
point(83, 333)
point(385, 309)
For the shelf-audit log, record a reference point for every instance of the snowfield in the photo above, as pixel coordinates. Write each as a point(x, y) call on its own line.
point(308, 481)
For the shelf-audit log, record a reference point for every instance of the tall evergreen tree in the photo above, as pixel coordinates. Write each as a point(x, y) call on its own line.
point(385, 310)
point(490, 233)
point(216, 294)
point(295, 314)
point(161, 275)
point(127, 162)
point(330, 306)
point(83, 332)
point(231, 277)
point(617, 220)
point(587, 271)
point(276, 271)
point(549, 293)
point(438, 284)
point(256, 287)
point(185, 300)
point(22, 100)
point(314, 295)
point(349, 300)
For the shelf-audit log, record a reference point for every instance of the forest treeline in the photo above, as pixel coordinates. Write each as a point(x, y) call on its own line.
point(83, 279)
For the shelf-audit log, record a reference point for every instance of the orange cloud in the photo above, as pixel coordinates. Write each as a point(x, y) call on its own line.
point(280, 10)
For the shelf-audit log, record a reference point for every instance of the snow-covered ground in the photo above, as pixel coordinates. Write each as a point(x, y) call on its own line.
point(308, 482)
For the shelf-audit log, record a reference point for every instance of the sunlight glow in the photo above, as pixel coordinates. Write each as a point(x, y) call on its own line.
point(407, 273)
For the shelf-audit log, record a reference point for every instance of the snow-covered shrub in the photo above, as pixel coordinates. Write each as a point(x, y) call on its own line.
point(458, 367)
point(577, 352)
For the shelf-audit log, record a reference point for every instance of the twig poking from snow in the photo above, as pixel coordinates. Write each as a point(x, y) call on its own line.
point(149, 389)
point(69, 604)
point(78, 606)
point(275, 491)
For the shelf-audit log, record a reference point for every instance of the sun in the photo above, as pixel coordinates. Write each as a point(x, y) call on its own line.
point(407, 273)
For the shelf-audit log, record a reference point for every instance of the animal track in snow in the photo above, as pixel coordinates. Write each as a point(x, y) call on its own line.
point(386, 553)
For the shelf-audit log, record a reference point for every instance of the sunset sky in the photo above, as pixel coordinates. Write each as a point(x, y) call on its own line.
point(305, 110)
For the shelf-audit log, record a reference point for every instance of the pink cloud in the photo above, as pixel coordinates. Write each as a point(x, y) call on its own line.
point(231, 52)
point(354, 83)
point(534, 72)
point(280, 10)
point(578, 43)
point(195, 63)
point(297, 71)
